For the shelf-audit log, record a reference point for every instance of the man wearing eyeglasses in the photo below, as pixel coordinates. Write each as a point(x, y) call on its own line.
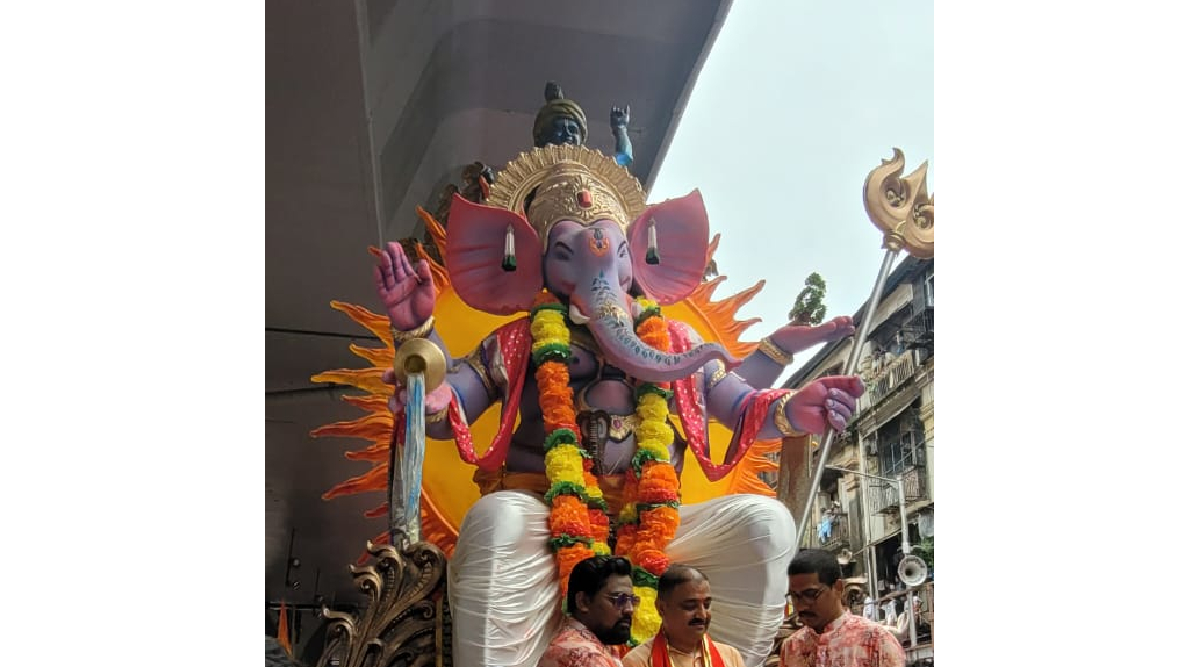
point(600, 606)
point(684, 603)
point(831, 635)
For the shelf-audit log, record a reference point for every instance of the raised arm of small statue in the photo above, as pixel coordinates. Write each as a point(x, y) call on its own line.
point(619, 122)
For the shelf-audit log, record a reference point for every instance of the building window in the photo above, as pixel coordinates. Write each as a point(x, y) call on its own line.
point(901, 444)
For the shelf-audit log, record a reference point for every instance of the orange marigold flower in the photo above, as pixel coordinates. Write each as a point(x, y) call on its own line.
point(657, 495)
point(569, 515)
point(662, 519)
point(568, 558)
point(557, 418)
point(626, 536)
point(555, 396)
point(569, 502)
point(660, 472)
point(653, 561)
point(569, 527)
point(599, 522)
point(653, 332)
point(657, 485)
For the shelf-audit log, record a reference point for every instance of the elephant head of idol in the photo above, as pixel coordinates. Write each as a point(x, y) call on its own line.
point(572, 221)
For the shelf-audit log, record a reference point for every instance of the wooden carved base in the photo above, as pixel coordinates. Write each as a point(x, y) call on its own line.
point(406, 621)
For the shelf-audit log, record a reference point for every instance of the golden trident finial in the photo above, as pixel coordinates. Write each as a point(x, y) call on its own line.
point(900, 206)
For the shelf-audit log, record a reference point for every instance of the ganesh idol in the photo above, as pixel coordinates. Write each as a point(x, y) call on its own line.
point(601, 399)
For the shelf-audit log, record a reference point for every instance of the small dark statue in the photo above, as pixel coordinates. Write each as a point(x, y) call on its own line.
point(559, 121)
point(562, 121)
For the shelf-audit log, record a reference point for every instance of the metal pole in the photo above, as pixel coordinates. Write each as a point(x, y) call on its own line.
point(860, 338)
point(907, 549)
point(868, 551)
point(912, 621)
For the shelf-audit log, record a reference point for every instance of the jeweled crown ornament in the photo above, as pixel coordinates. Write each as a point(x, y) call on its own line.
point(570, 191)
point(567, 183)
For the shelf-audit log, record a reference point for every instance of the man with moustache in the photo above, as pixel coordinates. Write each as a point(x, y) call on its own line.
point(600, 606)
point(684, 601)
point(831, 634)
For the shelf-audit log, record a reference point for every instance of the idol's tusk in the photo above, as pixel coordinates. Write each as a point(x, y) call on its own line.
point(576, 316)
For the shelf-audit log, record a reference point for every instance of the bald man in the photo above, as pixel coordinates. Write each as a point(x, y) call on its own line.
point(684, 601)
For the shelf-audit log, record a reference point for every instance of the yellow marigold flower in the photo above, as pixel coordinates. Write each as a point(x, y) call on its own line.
point(548, 327)
point(652, 407)
point(564, 463)
point(656, 437)
point(646, 619)
point(594, 493)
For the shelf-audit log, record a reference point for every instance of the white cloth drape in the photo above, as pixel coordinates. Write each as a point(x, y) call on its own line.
point(504, 582)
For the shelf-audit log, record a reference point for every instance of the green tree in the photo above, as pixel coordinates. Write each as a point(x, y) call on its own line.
point(809, 309)
point(925, 550)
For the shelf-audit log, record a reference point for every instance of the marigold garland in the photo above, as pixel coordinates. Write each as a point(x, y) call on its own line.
point(579, 526)
point(574, 492)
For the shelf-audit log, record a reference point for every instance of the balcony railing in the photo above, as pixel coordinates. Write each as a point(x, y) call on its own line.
point(892, 376)
point(883, 380)
point(916, 484)
point(833, 531)
point(885, 497)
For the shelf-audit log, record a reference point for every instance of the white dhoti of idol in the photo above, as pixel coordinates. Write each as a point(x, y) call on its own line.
point(503, 579)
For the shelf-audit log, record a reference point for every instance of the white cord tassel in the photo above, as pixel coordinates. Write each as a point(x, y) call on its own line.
point(510, 251)
point(652, 245)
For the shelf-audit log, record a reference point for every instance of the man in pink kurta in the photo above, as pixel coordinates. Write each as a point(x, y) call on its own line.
point(600, 606)
point(831, 636)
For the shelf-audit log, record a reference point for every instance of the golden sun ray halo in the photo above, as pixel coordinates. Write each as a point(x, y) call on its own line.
point(448, 488)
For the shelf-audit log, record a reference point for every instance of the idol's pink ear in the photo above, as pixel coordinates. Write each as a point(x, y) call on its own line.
point(681, 235)
point(481, 271)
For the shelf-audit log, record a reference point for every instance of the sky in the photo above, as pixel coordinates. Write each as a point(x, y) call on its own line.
point(796, 103)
